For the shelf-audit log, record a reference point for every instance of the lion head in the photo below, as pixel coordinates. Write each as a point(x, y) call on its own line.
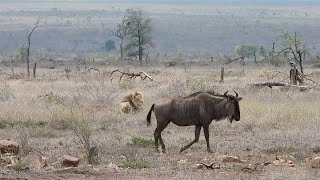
point(133, 101)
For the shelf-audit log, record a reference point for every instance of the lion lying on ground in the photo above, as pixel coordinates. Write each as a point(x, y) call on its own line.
point(131, 103)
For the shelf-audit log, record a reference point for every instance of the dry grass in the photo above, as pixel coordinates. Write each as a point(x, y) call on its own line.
point(273, 121)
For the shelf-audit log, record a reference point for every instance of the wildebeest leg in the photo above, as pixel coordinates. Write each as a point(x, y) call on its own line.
point(196, 138)
point(206, 135)
point(157, 135)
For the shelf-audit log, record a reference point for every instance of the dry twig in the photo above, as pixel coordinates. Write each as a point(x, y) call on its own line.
point(143, 75)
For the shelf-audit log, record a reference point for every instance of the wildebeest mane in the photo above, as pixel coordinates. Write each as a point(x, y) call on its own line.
point(196, 93)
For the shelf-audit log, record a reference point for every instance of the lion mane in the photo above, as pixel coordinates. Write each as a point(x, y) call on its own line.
point(131, 102)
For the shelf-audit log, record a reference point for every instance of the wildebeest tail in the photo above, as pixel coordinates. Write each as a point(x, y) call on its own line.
point(149, 115)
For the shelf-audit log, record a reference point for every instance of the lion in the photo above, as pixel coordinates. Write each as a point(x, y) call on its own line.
point(131, 102)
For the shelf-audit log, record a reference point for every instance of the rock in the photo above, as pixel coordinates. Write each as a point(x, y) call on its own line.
point(9, 146)
point(69, 161)
point(276, 162)
point(182, 161)
point(291, 165)
point(35, 160)
point(8, 159)
point(249, 168)
point(198, 166)
point(232, 159)
point(315, 162)
point(268, 159)
point(112, 166)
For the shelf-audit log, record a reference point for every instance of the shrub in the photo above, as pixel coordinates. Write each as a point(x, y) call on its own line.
point(20, 166)
point(6, 93)
point(82, 128)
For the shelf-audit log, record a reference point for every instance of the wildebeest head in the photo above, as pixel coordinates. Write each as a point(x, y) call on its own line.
point(233, 106)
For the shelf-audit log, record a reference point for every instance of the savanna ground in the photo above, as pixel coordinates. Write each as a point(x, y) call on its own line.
point(278, 121)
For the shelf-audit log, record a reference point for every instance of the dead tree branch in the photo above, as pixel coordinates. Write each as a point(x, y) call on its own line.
point(36, 25)
point(230, 60)
point(143, 75)
point(273, 84)
point(94, 69)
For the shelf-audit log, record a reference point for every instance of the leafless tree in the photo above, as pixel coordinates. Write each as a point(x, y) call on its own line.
point(293, 47)
point(39, 22)
point(121, 32)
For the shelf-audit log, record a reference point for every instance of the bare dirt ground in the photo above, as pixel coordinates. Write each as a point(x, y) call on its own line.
point(278, 130)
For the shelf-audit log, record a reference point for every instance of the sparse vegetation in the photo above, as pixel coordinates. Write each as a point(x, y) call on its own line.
point(135, 163)
point(19, 166)
point(79, 115)
point(142, 142)
point(28, 124)
point(279, 150)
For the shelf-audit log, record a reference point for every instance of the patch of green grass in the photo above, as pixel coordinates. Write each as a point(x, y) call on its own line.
point(279, 150)
point(20, 166)
point(28, 123)
point(135, 163)
point(141, 142)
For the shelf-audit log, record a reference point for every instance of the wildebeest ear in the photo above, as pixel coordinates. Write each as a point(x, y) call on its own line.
point(239, 98)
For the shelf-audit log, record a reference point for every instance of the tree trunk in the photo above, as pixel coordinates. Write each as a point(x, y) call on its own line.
point(34, 69)
point(121, 49)
point(140, 54)
point(28, 54)
point(255, 57)
point(12, 67)
point(222, 74)
point(293, 75)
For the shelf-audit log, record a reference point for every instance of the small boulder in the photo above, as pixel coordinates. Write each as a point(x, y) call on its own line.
point(182, 161)
point(231, 159)
point(9, 146)
point(277, 162)
point(198, 166)
point(35, 160)
point(113, 166)
point(315, 162)
point(69, 161)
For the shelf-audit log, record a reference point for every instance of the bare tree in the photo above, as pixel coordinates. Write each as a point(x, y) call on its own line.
point(121, 32)
point(36, 25)
point(139, 32)
point(293, 47)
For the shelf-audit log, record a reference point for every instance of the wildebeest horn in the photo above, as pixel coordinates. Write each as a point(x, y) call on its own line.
point(236, 93)
point(225, 94)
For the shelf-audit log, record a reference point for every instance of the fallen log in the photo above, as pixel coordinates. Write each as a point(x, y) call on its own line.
point(274, 84)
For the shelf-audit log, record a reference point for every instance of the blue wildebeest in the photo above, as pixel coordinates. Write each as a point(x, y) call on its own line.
point(198, 109)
